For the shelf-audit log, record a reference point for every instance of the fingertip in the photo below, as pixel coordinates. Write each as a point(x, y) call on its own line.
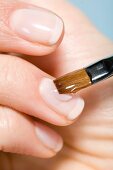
point(31, 29)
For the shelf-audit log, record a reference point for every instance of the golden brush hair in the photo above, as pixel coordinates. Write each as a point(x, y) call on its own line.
point(72, 82)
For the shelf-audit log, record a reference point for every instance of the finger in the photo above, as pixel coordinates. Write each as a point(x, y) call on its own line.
point(82, 43)
point(28, 29)
point(27, 89)
point(20, 134)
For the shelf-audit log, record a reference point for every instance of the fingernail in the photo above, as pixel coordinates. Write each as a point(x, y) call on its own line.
point(67, 105)
point(49, 138)
point(37, 25)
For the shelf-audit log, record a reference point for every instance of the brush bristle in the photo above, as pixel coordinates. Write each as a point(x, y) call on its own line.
point(72, 82)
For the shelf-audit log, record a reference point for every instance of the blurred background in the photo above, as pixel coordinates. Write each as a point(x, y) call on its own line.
point(100, 12)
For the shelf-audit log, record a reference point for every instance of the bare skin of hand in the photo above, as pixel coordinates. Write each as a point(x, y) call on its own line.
point(88, 143)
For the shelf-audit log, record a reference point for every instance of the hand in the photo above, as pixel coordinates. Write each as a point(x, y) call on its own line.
point(88, 142)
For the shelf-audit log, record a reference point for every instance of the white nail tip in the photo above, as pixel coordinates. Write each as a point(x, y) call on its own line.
point(57, 31)
point(79, 107)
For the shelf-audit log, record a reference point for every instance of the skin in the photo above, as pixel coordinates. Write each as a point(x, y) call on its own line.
point(88, 142)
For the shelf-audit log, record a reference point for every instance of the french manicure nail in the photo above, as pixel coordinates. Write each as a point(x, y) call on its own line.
point(67, 105)
point(49, 138)
point(36, 25)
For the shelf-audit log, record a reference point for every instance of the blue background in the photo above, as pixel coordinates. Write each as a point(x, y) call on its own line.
point(100, 12)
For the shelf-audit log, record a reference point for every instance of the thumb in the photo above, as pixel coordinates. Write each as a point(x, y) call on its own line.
point(28, 29)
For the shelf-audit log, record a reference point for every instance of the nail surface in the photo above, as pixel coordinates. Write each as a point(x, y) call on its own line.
point(49, 138)
point(67, 105)
point(37, 25)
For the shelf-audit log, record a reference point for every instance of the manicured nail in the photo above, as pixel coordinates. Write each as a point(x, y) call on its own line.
point(36, 25)
point(67, 105)
point(49, 138)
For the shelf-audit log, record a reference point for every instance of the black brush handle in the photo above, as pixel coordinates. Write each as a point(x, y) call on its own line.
point(100, 70)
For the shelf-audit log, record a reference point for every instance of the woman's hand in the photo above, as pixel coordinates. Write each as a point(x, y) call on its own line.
point(89, 141)
point(27, 90)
